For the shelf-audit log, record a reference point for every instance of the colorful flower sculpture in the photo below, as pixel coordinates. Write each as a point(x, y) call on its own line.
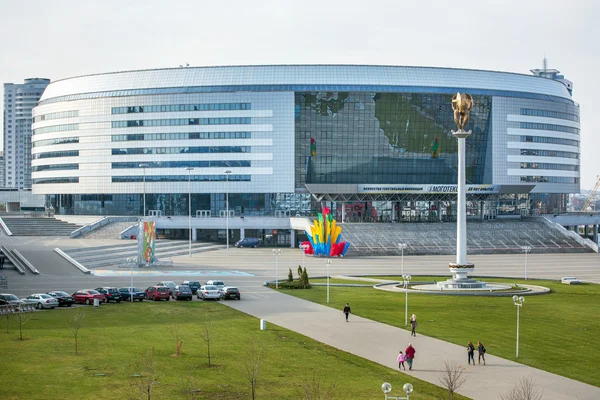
point(325, 237)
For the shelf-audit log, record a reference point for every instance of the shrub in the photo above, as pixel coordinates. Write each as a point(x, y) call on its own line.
point(290, 276)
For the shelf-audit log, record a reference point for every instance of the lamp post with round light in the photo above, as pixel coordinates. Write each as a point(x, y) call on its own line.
point(227, 172)
point(277, 253)
point(406, 279)
point(189, 170)
point(402, 246)
point(144, 166)
point(304, 247)
point(526, 249)
point(519, 303)
point(327, 264)
point(387, 388)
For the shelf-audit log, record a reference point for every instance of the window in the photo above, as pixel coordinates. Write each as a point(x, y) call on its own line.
point(550, 114)
point(182, 150)
point(181, 136)
point(182, 107)
point(181, 121)
point(549, 127)
point(181, 178)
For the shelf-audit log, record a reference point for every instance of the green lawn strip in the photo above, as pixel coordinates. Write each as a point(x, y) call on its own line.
point(114, 339)
point(342, 281)
point(559, 330)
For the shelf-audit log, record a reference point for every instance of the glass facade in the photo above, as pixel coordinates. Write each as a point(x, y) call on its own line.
point(385, 138)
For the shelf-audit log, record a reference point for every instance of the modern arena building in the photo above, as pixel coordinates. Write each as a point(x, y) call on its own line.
point(373, 143)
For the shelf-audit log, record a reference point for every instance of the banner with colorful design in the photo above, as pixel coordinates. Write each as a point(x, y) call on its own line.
point(325, 237)
point(146, 238)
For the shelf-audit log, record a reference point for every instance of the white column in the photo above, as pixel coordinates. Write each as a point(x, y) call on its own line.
point(194, 234)
point(461, 213)
point(293, 238)
point(242, 233)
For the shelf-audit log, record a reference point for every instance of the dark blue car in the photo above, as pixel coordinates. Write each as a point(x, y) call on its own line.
point(126, 293)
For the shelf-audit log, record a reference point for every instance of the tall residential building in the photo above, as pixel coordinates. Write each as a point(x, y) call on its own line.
point(2, 175)
point(19, 99)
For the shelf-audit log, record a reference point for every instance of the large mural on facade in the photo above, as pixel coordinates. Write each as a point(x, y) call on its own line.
point(146, 239)
point(325, 237)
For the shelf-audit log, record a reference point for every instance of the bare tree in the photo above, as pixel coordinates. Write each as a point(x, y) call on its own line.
point(452, 378)
point(190, 384)
point(523, 390)
point(313, 388)
point(22, 319)
point(207, 333)
point(143, 385)
point(7, 317)
point(251, 362)
point(76, 323)
point(176, 332)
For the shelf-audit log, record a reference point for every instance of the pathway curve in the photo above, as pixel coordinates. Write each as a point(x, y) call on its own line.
point(380, 343)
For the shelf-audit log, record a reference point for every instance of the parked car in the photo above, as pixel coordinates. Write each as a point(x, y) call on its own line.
point(248, 242)
point(41, 300)
point(230, 292)
point(219, 284)
point(170, 284)
point(158, 293)
point(64, 298)
point(209, 292)
point(111, 294)
point(182, 292)
point(87, 296)
point(194, 285)
point(10, 299)
point(137, 293)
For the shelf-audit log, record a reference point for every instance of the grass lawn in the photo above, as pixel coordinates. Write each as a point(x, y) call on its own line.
point(559, 331)
point(114, 339)
point(342, 281)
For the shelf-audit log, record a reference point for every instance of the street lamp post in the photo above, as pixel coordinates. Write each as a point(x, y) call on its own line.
point(386, 388)
point(327, 264)
point(227, 172)
point(144, 166)
point(519, 303)
point(277, 253)
point(406, 279)
point(402, 246)
point(304, 247)
point(526, 249)
point(189, 170)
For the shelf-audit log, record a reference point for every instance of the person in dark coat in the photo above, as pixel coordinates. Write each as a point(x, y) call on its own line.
point(481, 350)
point(347, 310)
point(413, 325)
point(409, 355)
point(470, 353)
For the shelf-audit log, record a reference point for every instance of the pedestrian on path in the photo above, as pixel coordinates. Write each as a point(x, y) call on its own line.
point(470, 353)
point(401, 359)
point(413, 324)
point(410, 355)
point(481, 350)
point(347, 310)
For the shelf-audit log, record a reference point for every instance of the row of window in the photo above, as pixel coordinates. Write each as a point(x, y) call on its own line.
point(182, 107)
point(56, 128)
point(549, 127)
point(56, 141)
point(182, 121)
point(182, 150)
point(561, 167)
point(182, 164)
point(54, 154)
point(54, 167)
point(57, 115)
point(549, 153)
point(182, 136)
point(550, 114)
point(543, 139)
point(549, 179)
point(182, 178)
point(70, 179)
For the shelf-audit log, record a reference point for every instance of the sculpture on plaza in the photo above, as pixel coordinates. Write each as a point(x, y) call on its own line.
point(325, 237)
point(461, 104)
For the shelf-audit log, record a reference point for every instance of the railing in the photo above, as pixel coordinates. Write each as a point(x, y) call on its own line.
point(99, 223)
point(16, 308)
point(72, 261)
point(6, 230)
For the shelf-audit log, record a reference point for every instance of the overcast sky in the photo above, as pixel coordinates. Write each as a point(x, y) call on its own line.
point(64, 38)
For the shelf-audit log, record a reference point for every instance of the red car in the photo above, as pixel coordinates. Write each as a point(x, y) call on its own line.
point(87, 296)
point(158, 293)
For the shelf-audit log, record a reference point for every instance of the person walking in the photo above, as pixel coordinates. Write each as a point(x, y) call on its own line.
point(410, 355)
point(470, 353)
point(481, 350)
point(401, 359)
point(347, 310)
point(413, 325)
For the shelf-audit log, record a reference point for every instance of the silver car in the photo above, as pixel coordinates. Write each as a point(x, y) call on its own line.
point(41, 300)
point(209, 292)
point(10, 299)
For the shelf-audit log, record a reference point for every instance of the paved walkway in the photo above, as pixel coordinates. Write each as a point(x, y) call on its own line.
point(380, 343)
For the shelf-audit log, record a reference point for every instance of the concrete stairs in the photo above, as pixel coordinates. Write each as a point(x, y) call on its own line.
point(111, 256)
point(22, 226)
point(109, 231)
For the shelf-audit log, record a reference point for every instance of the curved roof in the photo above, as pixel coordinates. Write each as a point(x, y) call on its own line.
point(306, 75)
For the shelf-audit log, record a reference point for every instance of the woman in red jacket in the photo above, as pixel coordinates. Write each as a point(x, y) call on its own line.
point(409, 355)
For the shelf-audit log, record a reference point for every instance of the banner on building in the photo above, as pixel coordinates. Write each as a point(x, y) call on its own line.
point(427, 189)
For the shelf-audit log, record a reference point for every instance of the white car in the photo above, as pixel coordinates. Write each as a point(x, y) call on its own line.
point(209, 292)
point(570, 280)
point(218, 284)
point(41, 300)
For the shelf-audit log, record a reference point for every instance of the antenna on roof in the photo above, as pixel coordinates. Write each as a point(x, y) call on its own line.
point(545, 63)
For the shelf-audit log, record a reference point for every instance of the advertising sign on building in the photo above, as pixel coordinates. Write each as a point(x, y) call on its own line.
point(427, 189)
